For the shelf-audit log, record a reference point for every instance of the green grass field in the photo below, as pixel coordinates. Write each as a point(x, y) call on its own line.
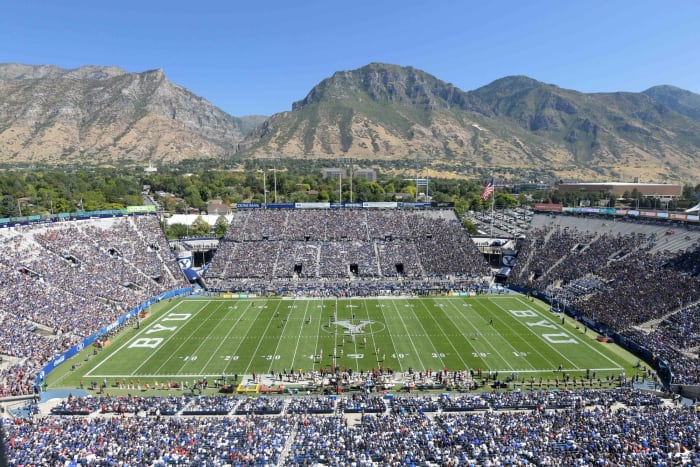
point(194, 337)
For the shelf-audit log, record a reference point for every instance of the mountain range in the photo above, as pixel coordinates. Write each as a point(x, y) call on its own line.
point(379, 113)
point(104, 115)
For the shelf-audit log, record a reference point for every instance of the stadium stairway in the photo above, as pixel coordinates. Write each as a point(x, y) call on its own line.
point(375, 247)
point(652, 323)
point(288, 446)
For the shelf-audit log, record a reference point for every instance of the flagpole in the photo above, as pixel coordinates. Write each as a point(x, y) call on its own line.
point(489, 190)
point(493, 202)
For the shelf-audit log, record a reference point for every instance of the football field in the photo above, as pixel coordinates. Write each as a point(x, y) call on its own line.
point(210, 336)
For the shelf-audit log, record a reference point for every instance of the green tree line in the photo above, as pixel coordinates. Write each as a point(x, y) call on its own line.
point(191, 185)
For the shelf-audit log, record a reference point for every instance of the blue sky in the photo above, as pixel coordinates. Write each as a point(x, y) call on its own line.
point(258, 57)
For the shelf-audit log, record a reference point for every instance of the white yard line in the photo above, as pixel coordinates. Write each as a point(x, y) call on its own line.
point(260, 340)
point(296, 348)
point(240, 340)
point(137, 336)
point(457, 352)
point(415, 350)
point(487, 342)
point(318, 335)
point(555, 366)
point(425, 333)
point(223, 340)
point(174, 353)
point(586, 342)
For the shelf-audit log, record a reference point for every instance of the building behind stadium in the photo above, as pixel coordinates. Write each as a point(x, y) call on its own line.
point(620, 189)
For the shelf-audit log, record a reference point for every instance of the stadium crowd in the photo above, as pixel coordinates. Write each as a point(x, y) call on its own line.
point(334, 244)
point(64, 281)
point(620, 282)
point(620, 427)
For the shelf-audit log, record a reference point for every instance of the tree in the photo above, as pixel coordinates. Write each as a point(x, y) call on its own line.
point(9, 206)
point(221, 226)
point(469, 225)
point(461, 206)
point(167, 204)
point(174, 231)
point(193, 197)
point(688, 192)
point(411, 190)
point(200, 227)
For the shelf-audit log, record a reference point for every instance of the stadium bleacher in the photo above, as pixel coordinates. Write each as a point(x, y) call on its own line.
point(62, 281)
point(66, 280)
point(626, 276)
point(354, 244)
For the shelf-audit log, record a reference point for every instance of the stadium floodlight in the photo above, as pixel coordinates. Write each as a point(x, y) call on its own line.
point(342, 163)
point(422, 162)
point(273, 162)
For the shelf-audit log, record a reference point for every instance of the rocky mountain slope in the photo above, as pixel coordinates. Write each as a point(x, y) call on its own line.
point(382, 112)
point(104, 115)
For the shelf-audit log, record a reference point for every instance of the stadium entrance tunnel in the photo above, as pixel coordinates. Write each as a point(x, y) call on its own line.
point(298, 269)
point(399, 269)
point(354, 269)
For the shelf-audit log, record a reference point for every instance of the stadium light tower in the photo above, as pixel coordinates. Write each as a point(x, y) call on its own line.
point(273, 161)
point(342, 163)
point(422, 163)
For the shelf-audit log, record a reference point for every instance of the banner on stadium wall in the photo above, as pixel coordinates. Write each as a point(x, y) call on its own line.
point(142, 208)
point(648, 213)
point(693, 218)
point(248, 205)
point(186, 261)
point(380, 204)
point(632, 212)
point(678, 216)
point(663, 215)
point(281, 205)
point(621, 212)
point(442, 204)
point(312, 205)
point(548, 207)
point(405, 204)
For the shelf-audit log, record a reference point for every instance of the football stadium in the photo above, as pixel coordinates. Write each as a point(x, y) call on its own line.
point(352, 334)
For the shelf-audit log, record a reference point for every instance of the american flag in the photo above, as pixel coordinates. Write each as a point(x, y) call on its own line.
point(488, 189)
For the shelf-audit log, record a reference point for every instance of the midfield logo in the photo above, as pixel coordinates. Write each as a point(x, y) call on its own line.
point(351, 328)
